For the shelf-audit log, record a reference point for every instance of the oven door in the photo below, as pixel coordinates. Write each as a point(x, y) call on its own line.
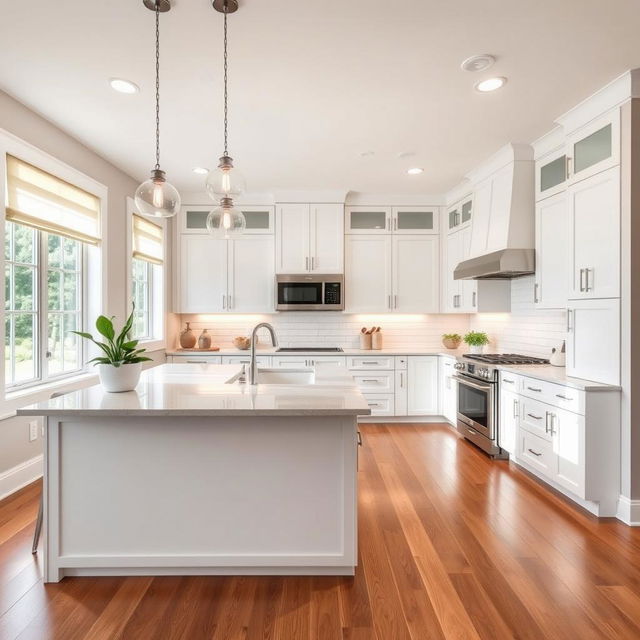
point(477, 406)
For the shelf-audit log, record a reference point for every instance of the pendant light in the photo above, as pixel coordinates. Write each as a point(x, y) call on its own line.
point(156, 197)
point(225, 183)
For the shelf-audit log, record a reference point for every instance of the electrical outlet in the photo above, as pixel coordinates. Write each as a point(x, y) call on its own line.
point(33, 431)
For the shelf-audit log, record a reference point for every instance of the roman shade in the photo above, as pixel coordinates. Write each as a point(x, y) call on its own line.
point(38, 199)
point(147, 240)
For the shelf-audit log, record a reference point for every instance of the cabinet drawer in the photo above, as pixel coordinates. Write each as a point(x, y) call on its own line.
point(336, 361)
point(371, 362)
point(510, 382)
point(375, 381)
point(535, 418)
point(401, 362)
point(536, 452)
point(261, 361)
point(555, 394)
point(196, 359)
point(380, 404)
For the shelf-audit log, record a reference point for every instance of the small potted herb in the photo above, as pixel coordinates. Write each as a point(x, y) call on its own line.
point(476, 341)
point(120, 366)
point(451, 340)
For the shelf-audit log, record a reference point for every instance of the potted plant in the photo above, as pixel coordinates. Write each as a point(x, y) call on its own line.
point(120, 366)
point(451, 340)
point(476, 341)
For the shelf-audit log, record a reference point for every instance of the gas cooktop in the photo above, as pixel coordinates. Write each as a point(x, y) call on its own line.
point(309, 350)
point(504, 358)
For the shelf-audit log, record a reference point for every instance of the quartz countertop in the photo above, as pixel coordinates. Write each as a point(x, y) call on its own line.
point(271, 351)
point(202, 390)
point(558, 375)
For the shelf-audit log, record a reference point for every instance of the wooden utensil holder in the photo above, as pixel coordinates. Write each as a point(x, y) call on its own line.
point(365, 341)
point(376, 340)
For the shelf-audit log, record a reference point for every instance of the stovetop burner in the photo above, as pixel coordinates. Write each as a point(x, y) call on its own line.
point(504, 358)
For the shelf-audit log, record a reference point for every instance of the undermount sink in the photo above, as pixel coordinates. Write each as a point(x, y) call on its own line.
point(286, 376)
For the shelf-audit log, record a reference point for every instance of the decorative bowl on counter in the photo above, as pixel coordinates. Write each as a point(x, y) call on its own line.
point(242, 342)
point(451, 340)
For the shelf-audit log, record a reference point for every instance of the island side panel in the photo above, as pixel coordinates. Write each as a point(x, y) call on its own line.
point(218, 495)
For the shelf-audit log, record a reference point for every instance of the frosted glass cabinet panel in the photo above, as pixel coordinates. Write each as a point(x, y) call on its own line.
point(592, 149)
point(453, 216)
point(196, 220)
point(412, 220)
point(259, 219)
point(363, 219)
point(465, 211)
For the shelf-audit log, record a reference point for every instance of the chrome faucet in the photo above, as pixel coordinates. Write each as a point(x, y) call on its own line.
point(252, 362)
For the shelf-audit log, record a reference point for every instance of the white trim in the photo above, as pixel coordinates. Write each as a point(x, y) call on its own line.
point(629, 511)
point(403, 419)
point(510, 153)
point(614, 94)
point(549, 143)
point(213, 571)
point(356, 198)
point(20, 476)
point(315, 196)
point(458, 193)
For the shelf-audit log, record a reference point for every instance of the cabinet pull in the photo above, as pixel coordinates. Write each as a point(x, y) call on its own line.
point(534, 417)
point(229, 302)
point(546, 422)
point(535, 453)
point(401, 380)
point(535, 293)
point(224, 301)
point(196, 361)
point(395, 224)
point(472, 432)
point(373, 404)
point(582, 280)
point(474, 299)
point(587, 287)
point(508, 381)
point(568, 166)
point(389, 303)
point(515, 408)
point(395, 302)
point(562, 397)
point(313, 263)
point(370, 380)
point(359, 436)
point(569, 327)
point(306, 264)
point(388, 226)
point(534, 389)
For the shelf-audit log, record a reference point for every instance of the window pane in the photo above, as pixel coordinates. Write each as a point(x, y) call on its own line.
point(54, 343)
point(24, 288)
point(8, 233)
point(55, 249)
point(70, 292)
point(8, 362)
point(8, 299)
point(25, 347)
point(71, 252)
point(71, 352)
point(24, 244)
point(54, 285)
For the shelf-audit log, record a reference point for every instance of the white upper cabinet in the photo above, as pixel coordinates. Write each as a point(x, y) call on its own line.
point(203, 274)
point(327, 238)
point(259, 219)
point(416, 274)
point(551, 174)
point(594, 147)
point(367, 220)
point(459, 214)
point(552, 255)
point(309, 238)
point(293, 225)
point(251, 279)
point(415, 220)
point(594, 236)
point(368, 273)
point(593, 340)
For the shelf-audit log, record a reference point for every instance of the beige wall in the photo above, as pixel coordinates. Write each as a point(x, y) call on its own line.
point(17, 119)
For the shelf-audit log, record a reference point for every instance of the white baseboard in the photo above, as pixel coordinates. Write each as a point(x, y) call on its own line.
point(402, 419)
point(20, 476)
point(629, 511)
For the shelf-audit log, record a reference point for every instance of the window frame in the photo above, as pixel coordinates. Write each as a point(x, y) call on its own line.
point(158, 292)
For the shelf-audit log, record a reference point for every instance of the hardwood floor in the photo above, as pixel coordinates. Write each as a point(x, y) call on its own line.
point(452, 545)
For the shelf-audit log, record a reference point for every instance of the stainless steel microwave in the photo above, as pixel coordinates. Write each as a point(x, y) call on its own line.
point(308, 292)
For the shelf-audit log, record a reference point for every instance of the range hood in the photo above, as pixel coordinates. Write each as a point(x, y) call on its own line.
point(504, 264)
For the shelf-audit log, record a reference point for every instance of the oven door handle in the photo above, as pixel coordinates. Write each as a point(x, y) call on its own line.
point(480, 387)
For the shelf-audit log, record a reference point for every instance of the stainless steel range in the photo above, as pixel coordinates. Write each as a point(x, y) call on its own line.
point(478, 397)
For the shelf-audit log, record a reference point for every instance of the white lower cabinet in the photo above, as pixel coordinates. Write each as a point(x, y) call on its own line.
point(375, 381)
point(593, 340)
point(448, 390)
point(261, 361)
point(509, 416)
point(194, 359)
point(401, 392)
point(422, 392)
point(381, 404)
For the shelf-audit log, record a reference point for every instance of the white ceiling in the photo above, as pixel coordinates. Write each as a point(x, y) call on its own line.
point(314, 83)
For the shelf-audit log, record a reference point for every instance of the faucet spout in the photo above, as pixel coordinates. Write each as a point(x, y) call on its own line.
point(274, 342)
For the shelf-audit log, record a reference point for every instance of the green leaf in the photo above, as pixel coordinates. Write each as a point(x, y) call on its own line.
point(128, 346)
point(105, 326)
point(82, 334)
point(100, 360)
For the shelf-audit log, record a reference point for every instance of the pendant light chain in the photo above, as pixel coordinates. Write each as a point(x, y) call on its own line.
point(226, 68)
point(158, 84)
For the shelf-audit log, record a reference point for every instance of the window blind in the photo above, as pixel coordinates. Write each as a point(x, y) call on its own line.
point(147, 240)
point(38, 199)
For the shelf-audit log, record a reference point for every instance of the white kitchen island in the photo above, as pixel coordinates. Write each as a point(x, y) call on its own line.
point(190, 474)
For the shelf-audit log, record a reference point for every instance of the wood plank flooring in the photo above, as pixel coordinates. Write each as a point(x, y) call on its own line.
point(452, 546)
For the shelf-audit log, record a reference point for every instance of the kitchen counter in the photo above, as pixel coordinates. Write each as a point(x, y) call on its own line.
point(558, 375)
point(189, 475)
point(202, 390)
point(271, 351)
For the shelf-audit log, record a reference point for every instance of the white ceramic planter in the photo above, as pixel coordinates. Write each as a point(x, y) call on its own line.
point(476, 348)
point(119, 379)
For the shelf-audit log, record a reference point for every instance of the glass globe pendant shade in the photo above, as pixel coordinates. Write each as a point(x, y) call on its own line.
point(226, 221)
point(225, 181)
point(156, 197)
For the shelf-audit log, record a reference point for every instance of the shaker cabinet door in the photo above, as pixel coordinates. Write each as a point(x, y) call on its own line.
point(327, 238)
point(416, 274)
point(368, 274)
point(251, 275)
point(292, 238)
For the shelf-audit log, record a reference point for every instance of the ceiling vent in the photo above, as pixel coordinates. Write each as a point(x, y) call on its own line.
point(478, 63)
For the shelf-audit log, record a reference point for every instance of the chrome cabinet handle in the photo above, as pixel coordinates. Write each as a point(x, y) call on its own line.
point(229, 302)
point(224, 301)
point(546, 422)
point(534, 389)
point(569, 327)
point(508, 381)
point(401, 380)
point(306, 264)
point(389, 304)
point(535, 453)
point(370, 380)
point(359, 436)
point(474, 301)
point(515, 408)
point(395, 302)
point(395, 224)
point(568, 166)
point(587, 286)
point(370, 362)
point(374, 404)
point(534, 417)
point(552, 421)
point(559, 395)
point(582, 280)
point(472, 432)
point(313, 263)
point(535, 293)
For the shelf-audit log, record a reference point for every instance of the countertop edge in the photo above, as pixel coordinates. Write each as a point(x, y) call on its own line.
point(191, 413)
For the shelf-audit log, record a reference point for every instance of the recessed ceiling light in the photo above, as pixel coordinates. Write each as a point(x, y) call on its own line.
point(201, 171)
point(490, 84)
point(414, 171)
point(123, 86)
point(478, 63)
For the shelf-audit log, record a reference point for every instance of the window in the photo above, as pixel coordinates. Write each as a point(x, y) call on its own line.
point(147, 278)
point(49, 229)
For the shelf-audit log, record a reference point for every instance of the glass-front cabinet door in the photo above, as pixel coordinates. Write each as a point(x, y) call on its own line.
point(466, 209)
point(363, 219)
point(415, 220)
point(260, 220)
point(551, 174)
point(594, 147)
point(453, 218)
